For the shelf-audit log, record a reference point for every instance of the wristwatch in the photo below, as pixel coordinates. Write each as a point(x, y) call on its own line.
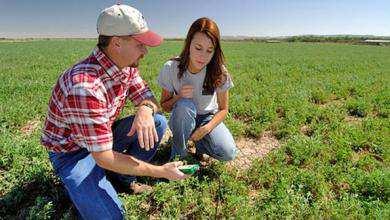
point(149, 106)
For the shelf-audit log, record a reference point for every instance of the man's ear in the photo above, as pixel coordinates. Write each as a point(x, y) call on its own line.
point(116, 43)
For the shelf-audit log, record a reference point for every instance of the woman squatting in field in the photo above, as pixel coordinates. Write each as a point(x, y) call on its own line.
point(195, 89)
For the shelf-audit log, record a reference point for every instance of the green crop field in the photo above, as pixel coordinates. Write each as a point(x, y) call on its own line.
point(327, 104)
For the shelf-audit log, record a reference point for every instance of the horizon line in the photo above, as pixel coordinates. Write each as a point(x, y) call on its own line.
point(222, 37)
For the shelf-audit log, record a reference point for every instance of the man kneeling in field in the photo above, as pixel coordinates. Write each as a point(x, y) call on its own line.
point(80, 131)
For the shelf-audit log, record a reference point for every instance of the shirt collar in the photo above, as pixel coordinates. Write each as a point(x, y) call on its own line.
point(109, 66)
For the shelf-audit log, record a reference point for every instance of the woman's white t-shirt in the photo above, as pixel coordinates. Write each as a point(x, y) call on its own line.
point(205, 103)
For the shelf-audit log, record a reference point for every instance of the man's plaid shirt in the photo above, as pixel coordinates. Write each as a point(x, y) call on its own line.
point(86, 100)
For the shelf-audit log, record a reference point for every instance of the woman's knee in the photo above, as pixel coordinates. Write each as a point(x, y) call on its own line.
point(223, 143)
point(229, 152)
point(184, 108)
point(183, 114)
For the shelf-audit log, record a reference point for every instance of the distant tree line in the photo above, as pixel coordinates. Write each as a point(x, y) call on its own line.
point(310, 38)
point(335, 39)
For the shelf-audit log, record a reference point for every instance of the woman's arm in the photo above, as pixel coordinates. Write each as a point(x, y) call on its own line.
point(168, 99)
point(223, 105)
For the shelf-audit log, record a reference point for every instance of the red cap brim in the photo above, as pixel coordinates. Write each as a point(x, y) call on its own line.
point(149, 38)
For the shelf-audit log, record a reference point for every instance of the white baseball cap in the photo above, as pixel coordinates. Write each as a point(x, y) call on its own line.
point(124, 20)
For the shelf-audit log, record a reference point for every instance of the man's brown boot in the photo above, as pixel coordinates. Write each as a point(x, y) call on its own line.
point(139, 188)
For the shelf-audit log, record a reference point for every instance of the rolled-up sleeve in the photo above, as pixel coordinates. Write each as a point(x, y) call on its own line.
point(228, 84)
point(86, 116)
point(138, 89)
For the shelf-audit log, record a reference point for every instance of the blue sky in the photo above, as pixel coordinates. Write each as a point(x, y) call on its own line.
point(172, 18)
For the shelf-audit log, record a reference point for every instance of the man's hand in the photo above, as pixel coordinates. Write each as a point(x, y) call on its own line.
point(143, 124)
point(170, 171)
point(200, 133)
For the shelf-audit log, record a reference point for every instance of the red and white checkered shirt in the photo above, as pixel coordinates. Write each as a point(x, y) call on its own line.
point(86, 100)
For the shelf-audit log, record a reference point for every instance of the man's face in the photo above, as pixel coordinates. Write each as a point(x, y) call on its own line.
point(130, 51)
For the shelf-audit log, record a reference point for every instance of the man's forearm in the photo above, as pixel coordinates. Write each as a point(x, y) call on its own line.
point(125, 164)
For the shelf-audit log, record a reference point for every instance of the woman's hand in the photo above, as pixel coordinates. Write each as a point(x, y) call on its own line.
point(200, 133)
point(186, 91)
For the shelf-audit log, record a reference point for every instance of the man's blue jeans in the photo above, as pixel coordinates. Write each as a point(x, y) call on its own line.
point(219, 143)
point(86, 182)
